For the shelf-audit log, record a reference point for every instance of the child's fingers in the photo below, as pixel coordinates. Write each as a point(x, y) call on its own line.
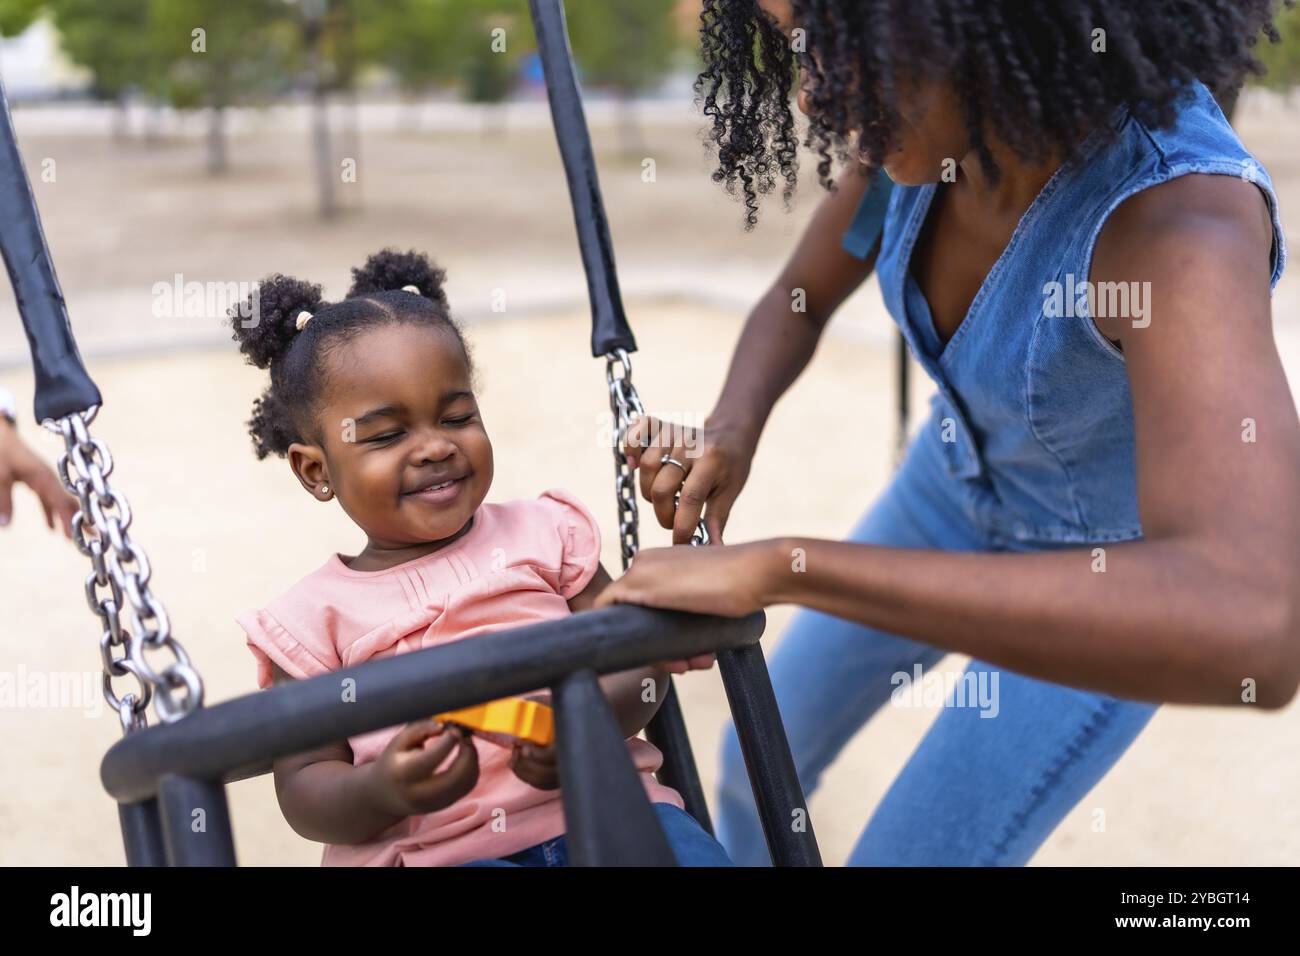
point(416, 732)
point(701, 662)
point(462, 773)
point(427, 761)
point(547, 756)
point(535, 771)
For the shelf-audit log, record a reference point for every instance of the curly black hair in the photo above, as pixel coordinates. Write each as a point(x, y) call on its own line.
point(266, 328)
point(1024, 73)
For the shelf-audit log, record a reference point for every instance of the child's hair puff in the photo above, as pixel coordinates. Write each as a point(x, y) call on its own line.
point(285, 413)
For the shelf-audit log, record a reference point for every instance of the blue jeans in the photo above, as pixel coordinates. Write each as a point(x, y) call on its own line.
point(691, 844)
point(988, 783)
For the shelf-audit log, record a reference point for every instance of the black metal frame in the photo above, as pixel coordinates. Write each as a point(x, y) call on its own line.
point(165, 775)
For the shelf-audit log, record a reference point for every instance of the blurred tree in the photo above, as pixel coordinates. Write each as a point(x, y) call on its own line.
point(494, 38)
point(220, 52)
point(474, 44)
point(412, 38)
point(17, 15)
point(1282, 60)
point(320, 24)
point(627, 45)
point(110, 38)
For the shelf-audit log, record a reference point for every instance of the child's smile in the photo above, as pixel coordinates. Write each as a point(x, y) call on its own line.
point(404, 447)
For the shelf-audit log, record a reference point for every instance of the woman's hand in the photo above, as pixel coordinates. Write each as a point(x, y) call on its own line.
point(730, 580)
point(18, 463)
point(715, 462)
point(535, 765)
point(405, 779)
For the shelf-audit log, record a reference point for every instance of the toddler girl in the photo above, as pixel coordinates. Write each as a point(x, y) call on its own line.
point(372, 402)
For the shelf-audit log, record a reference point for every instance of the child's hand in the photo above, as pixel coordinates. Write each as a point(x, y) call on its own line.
point(536, 766)
point(701, 662)
point(405, 777)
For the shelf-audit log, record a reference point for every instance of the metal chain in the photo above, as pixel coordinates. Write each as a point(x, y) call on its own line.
point(100, 532)
point(625, 405)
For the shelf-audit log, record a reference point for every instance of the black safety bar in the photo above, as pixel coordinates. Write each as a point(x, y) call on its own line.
point(165, 775)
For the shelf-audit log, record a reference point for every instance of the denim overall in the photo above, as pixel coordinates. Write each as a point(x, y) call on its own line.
point(1029, 446)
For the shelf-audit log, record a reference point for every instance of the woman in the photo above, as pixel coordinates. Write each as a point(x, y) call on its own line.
point(1103, 509)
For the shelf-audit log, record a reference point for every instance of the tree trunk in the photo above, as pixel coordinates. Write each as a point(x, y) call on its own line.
point(121, 118)
point(321, 145)
point(153, 121)
point(354, 143)
point(631, 143)
point(494, 118)
point(217, 162)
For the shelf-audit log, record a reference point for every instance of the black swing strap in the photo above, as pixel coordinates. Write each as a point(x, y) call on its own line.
point(62, 384)
point(609, 328)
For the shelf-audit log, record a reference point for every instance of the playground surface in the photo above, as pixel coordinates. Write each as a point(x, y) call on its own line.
point(225, 532)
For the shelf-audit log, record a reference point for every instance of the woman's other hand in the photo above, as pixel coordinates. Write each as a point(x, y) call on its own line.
point(18, 463)
point(730, 581)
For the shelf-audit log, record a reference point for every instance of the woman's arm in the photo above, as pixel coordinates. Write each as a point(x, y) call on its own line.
point(1204, 609)
point(778, 340)
point(776, 344)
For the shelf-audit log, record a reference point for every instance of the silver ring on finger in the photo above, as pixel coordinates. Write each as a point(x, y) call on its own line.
point(670, 460)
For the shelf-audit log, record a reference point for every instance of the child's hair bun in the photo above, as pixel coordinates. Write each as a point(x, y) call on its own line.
point(389, 271)
point(274, 311)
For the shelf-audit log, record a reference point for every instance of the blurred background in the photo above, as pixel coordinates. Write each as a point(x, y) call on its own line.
point(181, 148)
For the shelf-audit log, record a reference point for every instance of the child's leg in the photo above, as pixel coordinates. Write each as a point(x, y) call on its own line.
point(549, 853)
point(690, 842)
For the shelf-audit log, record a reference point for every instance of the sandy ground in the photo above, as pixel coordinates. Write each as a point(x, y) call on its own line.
point(226, 532)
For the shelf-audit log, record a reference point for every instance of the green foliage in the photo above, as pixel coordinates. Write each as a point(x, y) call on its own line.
point(218, 52)
point(110, 38)
point(254, 47)
point(626, 44)
point(411, 37)
point(155, 45)
point(17, 15)
point(1283, 59)
point(432, 42)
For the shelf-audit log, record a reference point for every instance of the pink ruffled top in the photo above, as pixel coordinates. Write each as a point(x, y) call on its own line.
point(520, 562)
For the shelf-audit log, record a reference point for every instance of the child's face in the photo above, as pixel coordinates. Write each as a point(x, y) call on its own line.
point(405, 450)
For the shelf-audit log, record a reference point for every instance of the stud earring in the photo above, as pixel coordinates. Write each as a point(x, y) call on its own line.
point(325, 489)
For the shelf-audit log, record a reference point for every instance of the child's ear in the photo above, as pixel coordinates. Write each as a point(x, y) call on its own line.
point(308, 464)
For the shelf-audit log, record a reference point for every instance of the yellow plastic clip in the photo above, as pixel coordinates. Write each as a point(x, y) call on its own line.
point(510, 717)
